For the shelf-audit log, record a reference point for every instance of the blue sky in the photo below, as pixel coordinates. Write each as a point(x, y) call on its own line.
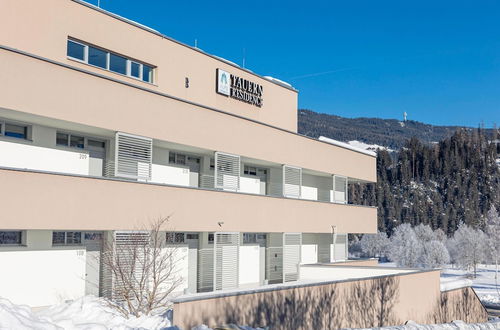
point(437, 60)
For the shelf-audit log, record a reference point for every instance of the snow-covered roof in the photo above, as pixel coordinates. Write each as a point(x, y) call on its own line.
point(347, 146)
point(452, 284)
point(278, 81)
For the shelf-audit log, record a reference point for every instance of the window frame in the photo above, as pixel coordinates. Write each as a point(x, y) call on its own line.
point(86, 139)
point(66, 238)
point(22, 242)
point(3, 127)
point(128, 66)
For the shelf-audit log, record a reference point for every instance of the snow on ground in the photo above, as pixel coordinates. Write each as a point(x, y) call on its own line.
point(371, 147)
point(87, 313)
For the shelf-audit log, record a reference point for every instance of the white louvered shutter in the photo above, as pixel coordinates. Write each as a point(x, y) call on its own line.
point(340, 247)
point(206, 269)
point(128, 255)
point(133, 156)
point(292, 181)
point(291, 256)
point(226, 252)
point(340, 189)
point(227, 171)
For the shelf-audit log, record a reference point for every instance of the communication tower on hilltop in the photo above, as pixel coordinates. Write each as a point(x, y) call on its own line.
point(404, 116)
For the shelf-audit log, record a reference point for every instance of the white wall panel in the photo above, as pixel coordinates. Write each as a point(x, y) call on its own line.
point(170, 175)
point(250, 185)
point(310, 193)
point(249, 264)
point(41, 278)
point(309, 254)
point(26, 156)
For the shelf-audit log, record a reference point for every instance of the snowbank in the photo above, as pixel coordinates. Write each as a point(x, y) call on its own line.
point(490, 300)
point(85, 313)
point(410, 325)
point(347, 146)
point(365, 146)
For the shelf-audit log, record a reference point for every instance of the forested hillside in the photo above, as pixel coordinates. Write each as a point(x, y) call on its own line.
point(440, 184)
point(389, 133)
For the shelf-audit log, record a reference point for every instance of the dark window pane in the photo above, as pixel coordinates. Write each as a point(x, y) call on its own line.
point(10, 237)
point(135, 69)
point(191, 236)
point(62, 139)
point(76, 141)
point(58, 237)
point(147, 73)
point(181, 159)
point(73, 237)
point(16, 131)
point(97, 57)
point(97, 144)
point(171, 158)
point(179, 237)
point(76, 50)
point(170, 237)
point(118, 64)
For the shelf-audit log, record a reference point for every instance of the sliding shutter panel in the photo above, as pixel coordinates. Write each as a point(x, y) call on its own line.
point(133, 156)
point(292, 181)
point(226, 247)
point(206, 269)
point(340, 189)
point(291, 256)
point(227, 171)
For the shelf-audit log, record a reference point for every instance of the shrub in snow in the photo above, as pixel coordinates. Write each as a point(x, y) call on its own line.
point(467, 247)
point(375, 245)
point(405, 249)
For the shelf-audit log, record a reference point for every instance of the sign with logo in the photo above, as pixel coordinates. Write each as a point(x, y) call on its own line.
point(239, 88)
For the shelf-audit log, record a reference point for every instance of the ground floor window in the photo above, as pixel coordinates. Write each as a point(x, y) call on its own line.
point(11, 237)
point(66, 237)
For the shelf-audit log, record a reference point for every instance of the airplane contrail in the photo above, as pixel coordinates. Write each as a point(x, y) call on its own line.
point(320, 73)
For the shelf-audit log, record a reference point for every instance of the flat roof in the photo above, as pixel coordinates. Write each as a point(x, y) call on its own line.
point(272, 80)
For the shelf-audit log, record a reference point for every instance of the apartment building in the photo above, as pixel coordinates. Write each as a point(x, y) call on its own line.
point(106, 124)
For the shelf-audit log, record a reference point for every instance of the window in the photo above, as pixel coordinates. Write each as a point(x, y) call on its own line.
point(118, 64)
point(249, 238)
point(175, 158)
point(135, 70)
point(109, 61)
point(76, 50)
point(255, 171)
point(66, 237)
point(16, 131)
point(11, 237)
point(147, 73)
point(76, 141)
point(212, 163)
point(191, 236)
point(62, 139)
point(175, 238)
point(98, 57)
point(211, 238)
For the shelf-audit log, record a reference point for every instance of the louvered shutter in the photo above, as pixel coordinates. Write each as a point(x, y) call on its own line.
point(340, 189)
point(129, 256)
point(133, 156)
point(227, 171)
point(291, 256)
point(206, 269)
point(292, 181)
point(226, 252)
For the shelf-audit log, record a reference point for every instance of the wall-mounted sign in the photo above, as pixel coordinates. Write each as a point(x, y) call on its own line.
point(239, 88)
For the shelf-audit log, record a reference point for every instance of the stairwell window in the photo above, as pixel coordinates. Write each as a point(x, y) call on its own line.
point(107, 60)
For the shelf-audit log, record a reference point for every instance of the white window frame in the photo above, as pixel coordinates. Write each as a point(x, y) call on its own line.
point(108, 55)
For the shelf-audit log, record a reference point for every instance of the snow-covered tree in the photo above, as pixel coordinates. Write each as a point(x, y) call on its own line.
point(493, 233)
point(405, 249)
point(434, 255)
point(375, 245)
point(434, 252)
point(467, 247)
